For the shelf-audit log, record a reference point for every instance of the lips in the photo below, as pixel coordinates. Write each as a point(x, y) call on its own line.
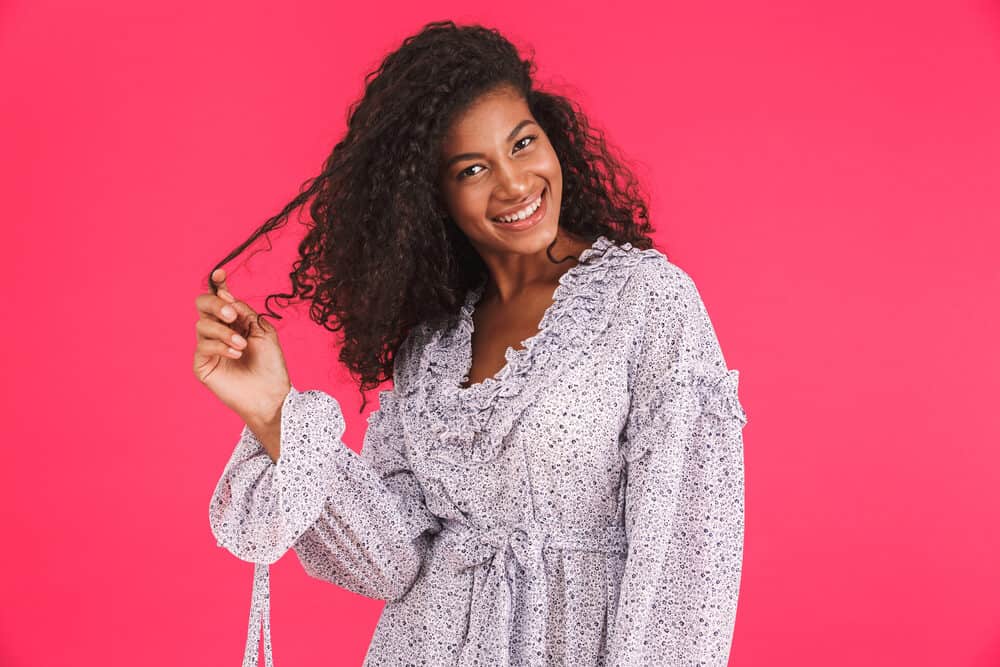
point(514, 210)
point(528, 223)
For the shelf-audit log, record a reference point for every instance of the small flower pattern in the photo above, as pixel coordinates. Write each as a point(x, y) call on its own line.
point(583, 506)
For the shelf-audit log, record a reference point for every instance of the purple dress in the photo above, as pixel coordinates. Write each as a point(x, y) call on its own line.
point(584, 506)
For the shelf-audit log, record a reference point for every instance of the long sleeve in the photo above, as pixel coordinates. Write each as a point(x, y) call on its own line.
point(357, 521)
point(684, 504)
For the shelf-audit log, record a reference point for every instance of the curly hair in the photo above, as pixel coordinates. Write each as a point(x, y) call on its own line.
point(381, 253)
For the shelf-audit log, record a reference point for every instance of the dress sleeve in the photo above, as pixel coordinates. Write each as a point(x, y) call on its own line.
point(358, 521)
point(683, 453)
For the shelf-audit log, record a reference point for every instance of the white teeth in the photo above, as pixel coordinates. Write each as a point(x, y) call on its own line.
point(523, 213)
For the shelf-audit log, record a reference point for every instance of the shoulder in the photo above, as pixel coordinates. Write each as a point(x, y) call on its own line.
point(409, 361)
point(656, 284)
point(670, 324)
point(403, 361)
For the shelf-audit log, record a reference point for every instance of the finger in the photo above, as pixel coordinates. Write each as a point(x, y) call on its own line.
point(211, 330)
point(215, 348)
point(251, 323)
point(219, 276)
point(243, 309)
point(210, 305)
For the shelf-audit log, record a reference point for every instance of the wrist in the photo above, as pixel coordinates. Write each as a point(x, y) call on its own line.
point(267, 413)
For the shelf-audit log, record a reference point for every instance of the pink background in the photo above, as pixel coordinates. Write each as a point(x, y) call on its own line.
point(827, 173)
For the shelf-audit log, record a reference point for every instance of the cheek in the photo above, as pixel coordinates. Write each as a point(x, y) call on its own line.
point(474, 201)
point(549, 162)
point(468, 204)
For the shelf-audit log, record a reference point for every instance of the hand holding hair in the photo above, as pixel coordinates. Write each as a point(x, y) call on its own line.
point(239, 358)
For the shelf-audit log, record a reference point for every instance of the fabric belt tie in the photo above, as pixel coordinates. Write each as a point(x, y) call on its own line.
point(508, 564)
point(260, 614)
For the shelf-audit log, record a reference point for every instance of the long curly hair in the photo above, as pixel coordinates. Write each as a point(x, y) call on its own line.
point(381, 253)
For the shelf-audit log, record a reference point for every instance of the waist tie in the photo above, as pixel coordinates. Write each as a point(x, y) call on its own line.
point(498, 557)
point(260, 614)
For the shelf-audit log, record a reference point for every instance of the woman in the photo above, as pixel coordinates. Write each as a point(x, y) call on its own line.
point(556, 475)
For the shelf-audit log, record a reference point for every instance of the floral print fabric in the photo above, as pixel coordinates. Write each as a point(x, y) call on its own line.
point(584, 506)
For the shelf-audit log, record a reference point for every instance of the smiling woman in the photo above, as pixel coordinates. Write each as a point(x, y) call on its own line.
point(495, 191)
point(556, 475)
point(387, 249)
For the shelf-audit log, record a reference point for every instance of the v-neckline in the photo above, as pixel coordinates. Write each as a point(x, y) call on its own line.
point(511, 354)
point(468, 426)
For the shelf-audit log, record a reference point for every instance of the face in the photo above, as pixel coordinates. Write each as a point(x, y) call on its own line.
point(496, 162)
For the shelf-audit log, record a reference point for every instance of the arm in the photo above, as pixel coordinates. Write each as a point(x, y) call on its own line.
point(374, 532)
point(357, 521)
point(268, 432)
point(683, 453)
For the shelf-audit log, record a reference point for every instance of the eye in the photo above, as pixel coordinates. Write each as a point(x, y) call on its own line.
point(530, 136)
point(465, 172)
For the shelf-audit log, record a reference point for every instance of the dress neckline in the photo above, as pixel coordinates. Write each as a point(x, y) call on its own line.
point(512, 356)
point(457, 425)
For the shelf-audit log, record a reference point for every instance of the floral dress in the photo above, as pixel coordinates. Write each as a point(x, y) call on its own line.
point(584, 506)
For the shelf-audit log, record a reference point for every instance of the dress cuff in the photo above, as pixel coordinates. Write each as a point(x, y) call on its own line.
point(260, 508)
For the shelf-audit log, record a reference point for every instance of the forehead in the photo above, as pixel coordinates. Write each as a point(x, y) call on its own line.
point(489, 118)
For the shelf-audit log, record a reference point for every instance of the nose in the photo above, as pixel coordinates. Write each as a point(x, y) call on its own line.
point(513, 183)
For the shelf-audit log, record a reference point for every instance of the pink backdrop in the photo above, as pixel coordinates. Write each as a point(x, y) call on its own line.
point(828, 175)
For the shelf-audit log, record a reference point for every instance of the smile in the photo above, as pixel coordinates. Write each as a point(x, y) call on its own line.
point(527, 217)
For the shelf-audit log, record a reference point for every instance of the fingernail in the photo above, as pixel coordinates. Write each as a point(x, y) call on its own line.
point(239, 340)
point(228, 312)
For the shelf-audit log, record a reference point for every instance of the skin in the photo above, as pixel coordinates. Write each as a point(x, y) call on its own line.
point(505, 171)
point(246, 372)
point(240, 360)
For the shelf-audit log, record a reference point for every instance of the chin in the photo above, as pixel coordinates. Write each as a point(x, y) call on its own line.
point(533, 240)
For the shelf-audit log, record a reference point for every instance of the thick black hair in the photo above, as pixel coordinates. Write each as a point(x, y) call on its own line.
point(381, 253)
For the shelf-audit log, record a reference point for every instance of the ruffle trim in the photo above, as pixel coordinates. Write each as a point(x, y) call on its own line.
point(468, 426)
point(701, 395)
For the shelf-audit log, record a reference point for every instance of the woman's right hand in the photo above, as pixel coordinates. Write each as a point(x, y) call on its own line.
point(247, 373)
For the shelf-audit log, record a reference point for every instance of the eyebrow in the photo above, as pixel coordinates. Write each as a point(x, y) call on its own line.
point(469, 156)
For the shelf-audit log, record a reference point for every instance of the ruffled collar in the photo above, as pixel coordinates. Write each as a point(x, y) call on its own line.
point(518, 360)
point(467, 426)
